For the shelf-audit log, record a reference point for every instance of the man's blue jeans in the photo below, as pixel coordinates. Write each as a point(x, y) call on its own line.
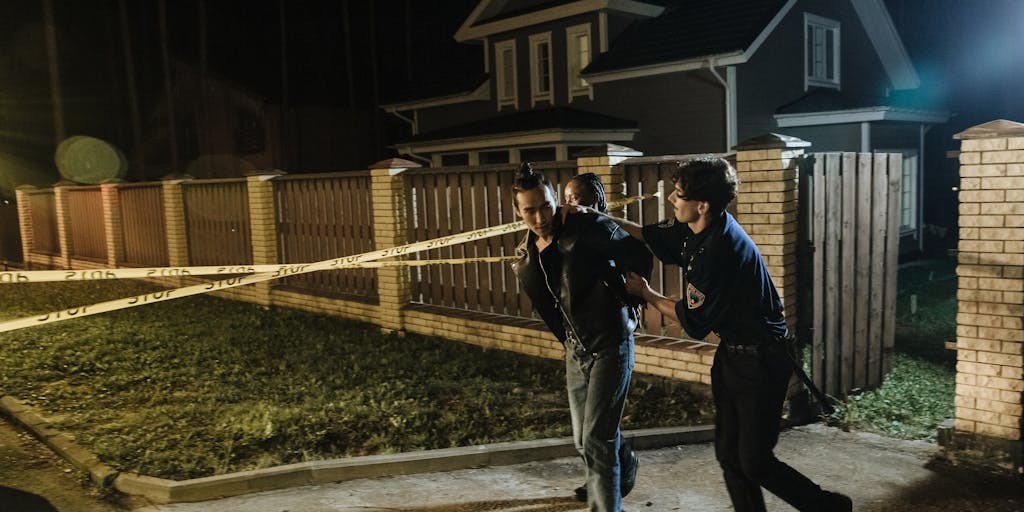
point(597, 384)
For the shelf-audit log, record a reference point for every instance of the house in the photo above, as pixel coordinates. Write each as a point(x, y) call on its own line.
point(673, 77)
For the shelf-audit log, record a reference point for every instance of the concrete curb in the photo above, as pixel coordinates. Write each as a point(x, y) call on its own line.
point(160, 490)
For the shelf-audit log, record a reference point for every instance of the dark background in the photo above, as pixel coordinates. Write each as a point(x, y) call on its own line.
point(968, 53)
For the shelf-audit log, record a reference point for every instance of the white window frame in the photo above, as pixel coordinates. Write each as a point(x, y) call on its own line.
point(538, 70)
point(573, 61)
point(816, 50)
point(502, 78)
point(909, 191)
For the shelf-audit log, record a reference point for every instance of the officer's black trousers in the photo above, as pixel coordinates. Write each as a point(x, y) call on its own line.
point(749, 390)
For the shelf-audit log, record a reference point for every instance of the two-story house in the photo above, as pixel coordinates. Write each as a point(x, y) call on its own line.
point(672, 77)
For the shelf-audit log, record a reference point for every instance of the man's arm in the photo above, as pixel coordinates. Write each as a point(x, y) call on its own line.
point(637, 285)
point(635, 230)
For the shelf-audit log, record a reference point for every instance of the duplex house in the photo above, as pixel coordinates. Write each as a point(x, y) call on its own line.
point(672, 77)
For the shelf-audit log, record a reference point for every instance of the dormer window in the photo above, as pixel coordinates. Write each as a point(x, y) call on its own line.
point(821, 42)
point(541, 68)
point(578, 57)
point(505, 71)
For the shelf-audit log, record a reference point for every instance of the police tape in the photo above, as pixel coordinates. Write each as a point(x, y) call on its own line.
point(41, 276)
point(279, 271)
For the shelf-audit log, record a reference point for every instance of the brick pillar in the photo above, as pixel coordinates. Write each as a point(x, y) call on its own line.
point(389, 230)
point(60, 200)
point(112, 224)
point(603, 161)
point(990, 295)
point(263, 227)
point(174, 218)
point(25, 223)
point(767, 207)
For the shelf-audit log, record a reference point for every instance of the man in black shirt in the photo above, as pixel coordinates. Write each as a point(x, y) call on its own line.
point(573, 269)
point(728, 291)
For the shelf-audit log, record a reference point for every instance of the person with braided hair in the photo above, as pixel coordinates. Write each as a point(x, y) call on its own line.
point(573, 270)
point(587, 190)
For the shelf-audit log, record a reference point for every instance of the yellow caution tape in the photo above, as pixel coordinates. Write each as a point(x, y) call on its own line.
point(273, 272)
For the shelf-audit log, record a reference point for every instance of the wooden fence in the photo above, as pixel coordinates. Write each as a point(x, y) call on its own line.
point(10, 239)
point(143, 225)
point(449, 200)
point(217, 222)
point(850, 205)
point(43, 207)
point(325, 216)
point(85, 220)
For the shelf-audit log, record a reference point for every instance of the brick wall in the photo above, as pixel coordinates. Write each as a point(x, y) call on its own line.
point(768, 211)
point(990, 294)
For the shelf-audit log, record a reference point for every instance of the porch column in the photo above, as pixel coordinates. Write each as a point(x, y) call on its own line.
point(990, 297)
point(390, 228)
point(767, 207)
point(604, 161)
point(262, 227)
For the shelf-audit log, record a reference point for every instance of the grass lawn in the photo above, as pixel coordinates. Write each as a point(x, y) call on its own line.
point(202, 386)
point(918, 394)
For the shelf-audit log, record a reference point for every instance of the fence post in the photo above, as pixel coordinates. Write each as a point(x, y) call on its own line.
point(63, 213)
point(262, 226)
point(603, 161)
point(25, 227)
point(174, 216)
point(990, 297)
point(767, 168)
point(390, 227)
point(112, 224)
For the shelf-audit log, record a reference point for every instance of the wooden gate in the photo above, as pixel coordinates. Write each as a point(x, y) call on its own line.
point(849, 243)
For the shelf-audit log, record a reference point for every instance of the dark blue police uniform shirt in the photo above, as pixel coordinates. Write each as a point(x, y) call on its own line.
point(727, 288)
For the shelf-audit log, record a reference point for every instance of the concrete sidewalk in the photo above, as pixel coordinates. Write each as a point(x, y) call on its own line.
point(881, 474)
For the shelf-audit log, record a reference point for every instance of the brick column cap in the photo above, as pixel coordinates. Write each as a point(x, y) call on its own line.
point(26, 187)
point(269, 173)
point(394, 163)
point(771, 141)
point(992, 129)
point(177, 176)
point(608, 150)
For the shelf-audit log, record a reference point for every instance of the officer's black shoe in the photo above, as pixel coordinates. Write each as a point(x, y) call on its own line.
point(630, 465)
point(581, 493)
point(838, 502)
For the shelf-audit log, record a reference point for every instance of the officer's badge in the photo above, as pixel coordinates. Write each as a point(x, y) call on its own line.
point(667, 223)
point(694, 297)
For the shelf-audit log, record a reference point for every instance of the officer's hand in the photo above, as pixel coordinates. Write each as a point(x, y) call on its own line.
point(636, 284)
point(573, 209)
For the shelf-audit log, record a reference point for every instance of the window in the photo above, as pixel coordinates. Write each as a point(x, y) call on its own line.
point(908, 192)
point(454, 159)
point(494, 157)
point(821, 38)
point(505, 55)
point(578, 57)
point(540, 64)
point(537, 155)
point(249, 136)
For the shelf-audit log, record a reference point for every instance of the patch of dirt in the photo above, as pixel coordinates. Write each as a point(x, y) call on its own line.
point(34, 479)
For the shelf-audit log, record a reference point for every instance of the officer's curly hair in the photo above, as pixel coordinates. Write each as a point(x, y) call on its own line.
point(528, 179)
point(707, 178)
point(593, 184)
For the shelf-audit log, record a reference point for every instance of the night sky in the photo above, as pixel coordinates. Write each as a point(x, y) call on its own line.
point(967, 52)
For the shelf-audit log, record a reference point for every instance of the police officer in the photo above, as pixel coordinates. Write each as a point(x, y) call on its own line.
point(573, 270)
point(728, 291)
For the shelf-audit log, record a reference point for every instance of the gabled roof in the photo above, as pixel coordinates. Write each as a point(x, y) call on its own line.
point(496, 16)
point(558, 118)
point(727, 32)
point(828, 106)
point(689, 29)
